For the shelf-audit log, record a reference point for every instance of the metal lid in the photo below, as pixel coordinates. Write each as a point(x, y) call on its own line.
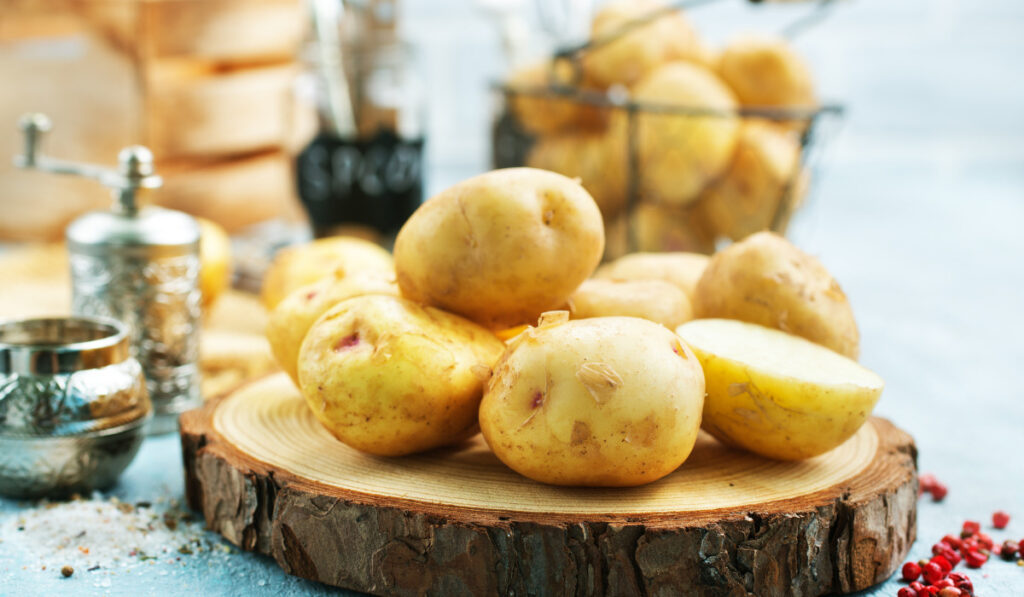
point(149, 226)
point(68, 376)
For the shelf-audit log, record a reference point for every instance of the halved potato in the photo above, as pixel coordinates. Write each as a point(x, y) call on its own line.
point(776, 394)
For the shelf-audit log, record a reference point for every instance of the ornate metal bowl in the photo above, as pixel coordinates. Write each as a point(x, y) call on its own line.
point(73, 405)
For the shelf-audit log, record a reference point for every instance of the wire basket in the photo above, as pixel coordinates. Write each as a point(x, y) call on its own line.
point(667, 177)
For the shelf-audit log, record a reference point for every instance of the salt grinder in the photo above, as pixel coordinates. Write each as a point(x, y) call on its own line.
point(139, 265)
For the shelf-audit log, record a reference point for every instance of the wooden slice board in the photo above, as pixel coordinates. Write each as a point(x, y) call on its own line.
point(456, 521)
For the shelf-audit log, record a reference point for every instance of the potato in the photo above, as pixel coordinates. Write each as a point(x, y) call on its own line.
point(292, 317)
point(776, 394)
point(502, 247)
point(680, 154)
point(766, 71)
point(653, 300)
point(596, 159)
point(611, 401)
point(680, 269)
point(641, 49)
point(547, 113)
point(749, 194)
point(214, 261)
point(765, 280)
point(670, 228)
point(303, 264)
point(390, 377)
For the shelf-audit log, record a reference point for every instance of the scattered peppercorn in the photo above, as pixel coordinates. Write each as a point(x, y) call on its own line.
point(970, 527)
point(950, 592)
point(1009, 549)
point(906, 592)
point(67, 571)
point(932, 572)
point(1000, 519)
point(975, 559)
point(911, 571)
point(939, 491)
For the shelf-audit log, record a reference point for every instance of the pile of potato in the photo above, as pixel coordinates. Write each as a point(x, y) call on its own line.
point(493, 315)
point(703, 174)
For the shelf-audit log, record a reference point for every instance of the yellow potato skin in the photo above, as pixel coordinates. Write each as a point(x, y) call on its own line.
point(778, 416)
point(632, 55)
point(747, 197)
point(680, 154)
point(683, 270)
point(598, 160)
point(611, 401)
point(292, 317)
point(653, 300)
point(214, 260)
point(764, 279)
point(767, 71)
point(304, 264)
point(390, 377)
point(502, 247)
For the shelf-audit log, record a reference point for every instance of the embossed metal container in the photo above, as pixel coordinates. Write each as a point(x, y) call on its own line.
point(141, 266)
point(73, 405)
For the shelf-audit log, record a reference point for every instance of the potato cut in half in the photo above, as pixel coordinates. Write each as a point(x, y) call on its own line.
point(776, 394)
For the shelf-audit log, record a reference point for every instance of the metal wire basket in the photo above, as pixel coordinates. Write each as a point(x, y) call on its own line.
point(645, 162)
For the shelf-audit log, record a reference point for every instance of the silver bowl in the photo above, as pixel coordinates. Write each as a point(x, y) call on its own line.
point(73, 405)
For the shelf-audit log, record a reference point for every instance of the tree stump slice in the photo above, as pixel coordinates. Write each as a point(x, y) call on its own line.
point(455, 521)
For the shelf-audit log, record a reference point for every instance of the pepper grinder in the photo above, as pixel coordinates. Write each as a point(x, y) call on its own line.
point(139, 265)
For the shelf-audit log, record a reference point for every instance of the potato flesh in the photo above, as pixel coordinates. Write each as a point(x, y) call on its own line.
point(777, 394)
point(611, 401)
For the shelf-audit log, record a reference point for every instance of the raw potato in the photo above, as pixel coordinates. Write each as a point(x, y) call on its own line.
point(680, 269)
point(653, 300)
point(776, 394)
point(612, 401)
point(670, 228)
point(300, 265)
point(214, 261)
point(766, 71)
point(748, 196)
point(680, 154)
point(390, 377)
point(547, 113)
point(643, 48)
point(766, 280)
point(291, 318)
point(598, 160)
point(502, 247)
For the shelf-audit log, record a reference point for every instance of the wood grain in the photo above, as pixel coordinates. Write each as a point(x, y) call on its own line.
point(456, 521)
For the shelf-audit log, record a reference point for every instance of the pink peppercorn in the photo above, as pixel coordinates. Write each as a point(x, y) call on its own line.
point(950, 592)
point(952, 541)
point(911, 571)
point(971, 527)
point(942, 584)
point(939, 491)
point(919, 587)
point(1000, 519)
point(933, 573)
point(1009, 549)
point(975, 559)
point(986, 541)
point(943, 563)
point(906, 592)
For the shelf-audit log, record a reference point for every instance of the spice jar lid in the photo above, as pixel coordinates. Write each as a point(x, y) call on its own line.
point(68, 376)
point(161, 230)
